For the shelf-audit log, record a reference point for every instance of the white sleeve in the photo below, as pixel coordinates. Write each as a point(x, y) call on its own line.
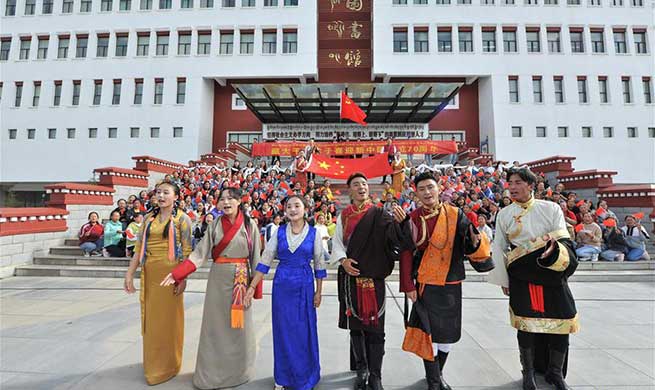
point(270, 251)
point(338, 248)
point(498, 275)
point(319, 259)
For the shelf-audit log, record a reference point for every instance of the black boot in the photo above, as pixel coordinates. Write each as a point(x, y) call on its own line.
point(432, 374)
point(441, 357)
point(554, 372)
point(375, 355)
point(527, 361)
point(358, 360)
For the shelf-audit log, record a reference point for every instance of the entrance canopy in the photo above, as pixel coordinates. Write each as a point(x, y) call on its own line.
point(319, 103)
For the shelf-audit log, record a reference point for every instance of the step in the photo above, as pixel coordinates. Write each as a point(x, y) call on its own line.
point(202, 273)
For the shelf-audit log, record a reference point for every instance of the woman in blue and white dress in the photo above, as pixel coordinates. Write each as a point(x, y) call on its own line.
point(295, 338)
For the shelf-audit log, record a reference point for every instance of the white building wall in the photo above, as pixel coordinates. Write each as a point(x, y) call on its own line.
point(498, 115)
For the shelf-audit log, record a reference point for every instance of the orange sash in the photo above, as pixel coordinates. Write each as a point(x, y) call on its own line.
point(435, 263)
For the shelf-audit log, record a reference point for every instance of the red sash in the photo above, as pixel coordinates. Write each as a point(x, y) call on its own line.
point(351, 216)
point(229, 231)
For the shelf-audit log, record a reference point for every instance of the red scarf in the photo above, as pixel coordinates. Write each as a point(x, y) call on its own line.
point(351, 216)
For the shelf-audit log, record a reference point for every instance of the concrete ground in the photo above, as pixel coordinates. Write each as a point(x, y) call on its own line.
point(78, 333)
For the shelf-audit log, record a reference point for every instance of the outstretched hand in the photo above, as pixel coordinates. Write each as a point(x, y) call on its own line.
point(247, 300)
point(399, 214)
point(550, 246)
point(168, 280)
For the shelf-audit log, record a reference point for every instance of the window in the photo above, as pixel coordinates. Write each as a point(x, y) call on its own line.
point(290, 41)
point(509, 40)
point(608, 132)
point(637, 3)
point(517, 131)
point(36, 96)
point(67, 7)
point(627, 90)
point(400, 2)
point(112, 132)
point(97, 92)
point(93, 132)
point(42, 52)
point(47, 7)
point(640, 41)
point(56, 101)
point(443, 2)
point(12, 133)
point(159, 91)
point(620, 45)
point(25, 43)
point(237, 103)
point(558, 83)
point(651, 132)
point(489, 39)
point(10, 8)
point(400, 42)
point(537, 90)
point(531, 2)
point(154, 132)
point(81, 46)
point(586, 132)
point(102, 48)
point(420, 1)
point(134, 132)
point(62, 46)
point(597, 41)
point(124, 5)
point(138, 91)
point(228, 3)
point(270, 3)
point(145, 5)
point(582, 89)
point(85, 5)
point(563, 132)
point(227, 42)
point(178, 132)
point(77, 88)
point(594, 3)
point(573, 2)
point(186, 4)
point(632, 132)
point(541, 132)
point(551, 2)
point(181, 90)
point(142, 44)
point(533, 39)
point(291, 2)
point(204, 42)
point(513, 89)
point(617, 3)
point(210, 3)
point(603, 90)
point(52, 133)
point(31, 133)
point(105, 5)
point(116, 93)
point(444, 40)
point(247, 3)
point(463, 1)
point(70, 133)
point(165, 4)
point(121, 45)
point(19, 93)
point(162, 44)
point(5, 47)
point(554, 45)
point(648, 90)
point(184, 43)
point(465, 37)
point(246, 139)
point(577, 40)
point(30, 7)
point(246, 42)
point(421, 40)
point(487, 2)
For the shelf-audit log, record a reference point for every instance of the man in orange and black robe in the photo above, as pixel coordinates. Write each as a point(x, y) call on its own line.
point(432, 275)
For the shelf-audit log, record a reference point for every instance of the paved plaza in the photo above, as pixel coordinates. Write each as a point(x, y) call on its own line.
point(78, 333)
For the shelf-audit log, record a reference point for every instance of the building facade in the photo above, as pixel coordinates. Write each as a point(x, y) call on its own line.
point(86, 83)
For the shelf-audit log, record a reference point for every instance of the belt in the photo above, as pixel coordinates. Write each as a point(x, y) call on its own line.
point(230, 260)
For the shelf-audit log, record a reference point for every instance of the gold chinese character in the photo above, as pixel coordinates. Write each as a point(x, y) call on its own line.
point(275, 151)
point(355, 32)
point(338, 150)
point(354, 5)
point(332, 3)
point(353, 58)
point(336, 57)
point(337, 26)
point(350, 150)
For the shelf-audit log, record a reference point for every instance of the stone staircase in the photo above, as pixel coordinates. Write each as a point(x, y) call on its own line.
point(68, 261)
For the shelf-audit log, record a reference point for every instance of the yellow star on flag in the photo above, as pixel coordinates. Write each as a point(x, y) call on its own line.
point(324, 165)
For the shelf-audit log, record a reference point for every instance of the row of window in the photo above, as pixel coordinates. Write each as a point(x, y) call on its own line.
point(533, 39)
point(585, 132)
point(116, 89)
point(583, 89)
point(143, 44)
point(590, 3)
point(112, 132)
point(86, 6)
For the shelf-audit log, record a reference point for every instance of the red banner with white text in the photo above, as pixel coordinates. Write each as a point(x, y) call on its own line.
point(350, 148)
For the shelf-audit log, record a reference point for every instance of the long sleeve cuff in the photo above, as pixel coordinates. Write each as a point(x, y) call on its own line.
point(183, 270)
point(406, 282)
point(320, 274)
point(259, 290)
point(263, 268)
point(558, 261)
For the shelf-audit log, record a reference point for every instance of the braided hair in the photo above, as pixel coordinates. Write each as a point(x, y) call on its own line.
point(157, 209)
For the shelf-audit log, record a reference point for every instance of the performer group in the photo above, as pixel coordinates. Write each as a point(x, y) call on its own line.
point(531, 259)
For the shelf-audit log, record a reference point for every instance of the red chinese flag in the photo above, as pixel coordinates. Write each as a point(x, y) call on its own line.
point(600, 211)
point(609, 222)
point(638, 216)
point(337, 192)
point(580, 203)
point(579, 227)
point(350, 110)
point(341, 168)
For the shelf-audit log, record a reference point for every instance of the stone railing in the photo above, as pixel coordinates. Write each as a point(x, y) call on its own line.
point(557, 165)
point(112, 176)
point(150, 164)
point(62, 194)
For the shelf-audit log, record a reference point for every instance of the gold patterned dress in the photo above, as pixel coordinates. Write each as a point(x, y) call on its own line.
point(162, 313)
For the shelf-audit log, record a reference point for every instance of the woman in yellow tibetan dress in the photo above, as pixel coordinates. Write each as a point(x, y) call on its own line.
point(164, 241)
point(398, 177)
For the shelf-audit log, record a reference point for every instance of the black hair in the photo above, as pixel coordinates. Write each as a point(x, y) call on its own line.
point(157, 210)
point(93, 212)
point(355, 176)
point(425, 176)
point(524, 173)
point(236, 193)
